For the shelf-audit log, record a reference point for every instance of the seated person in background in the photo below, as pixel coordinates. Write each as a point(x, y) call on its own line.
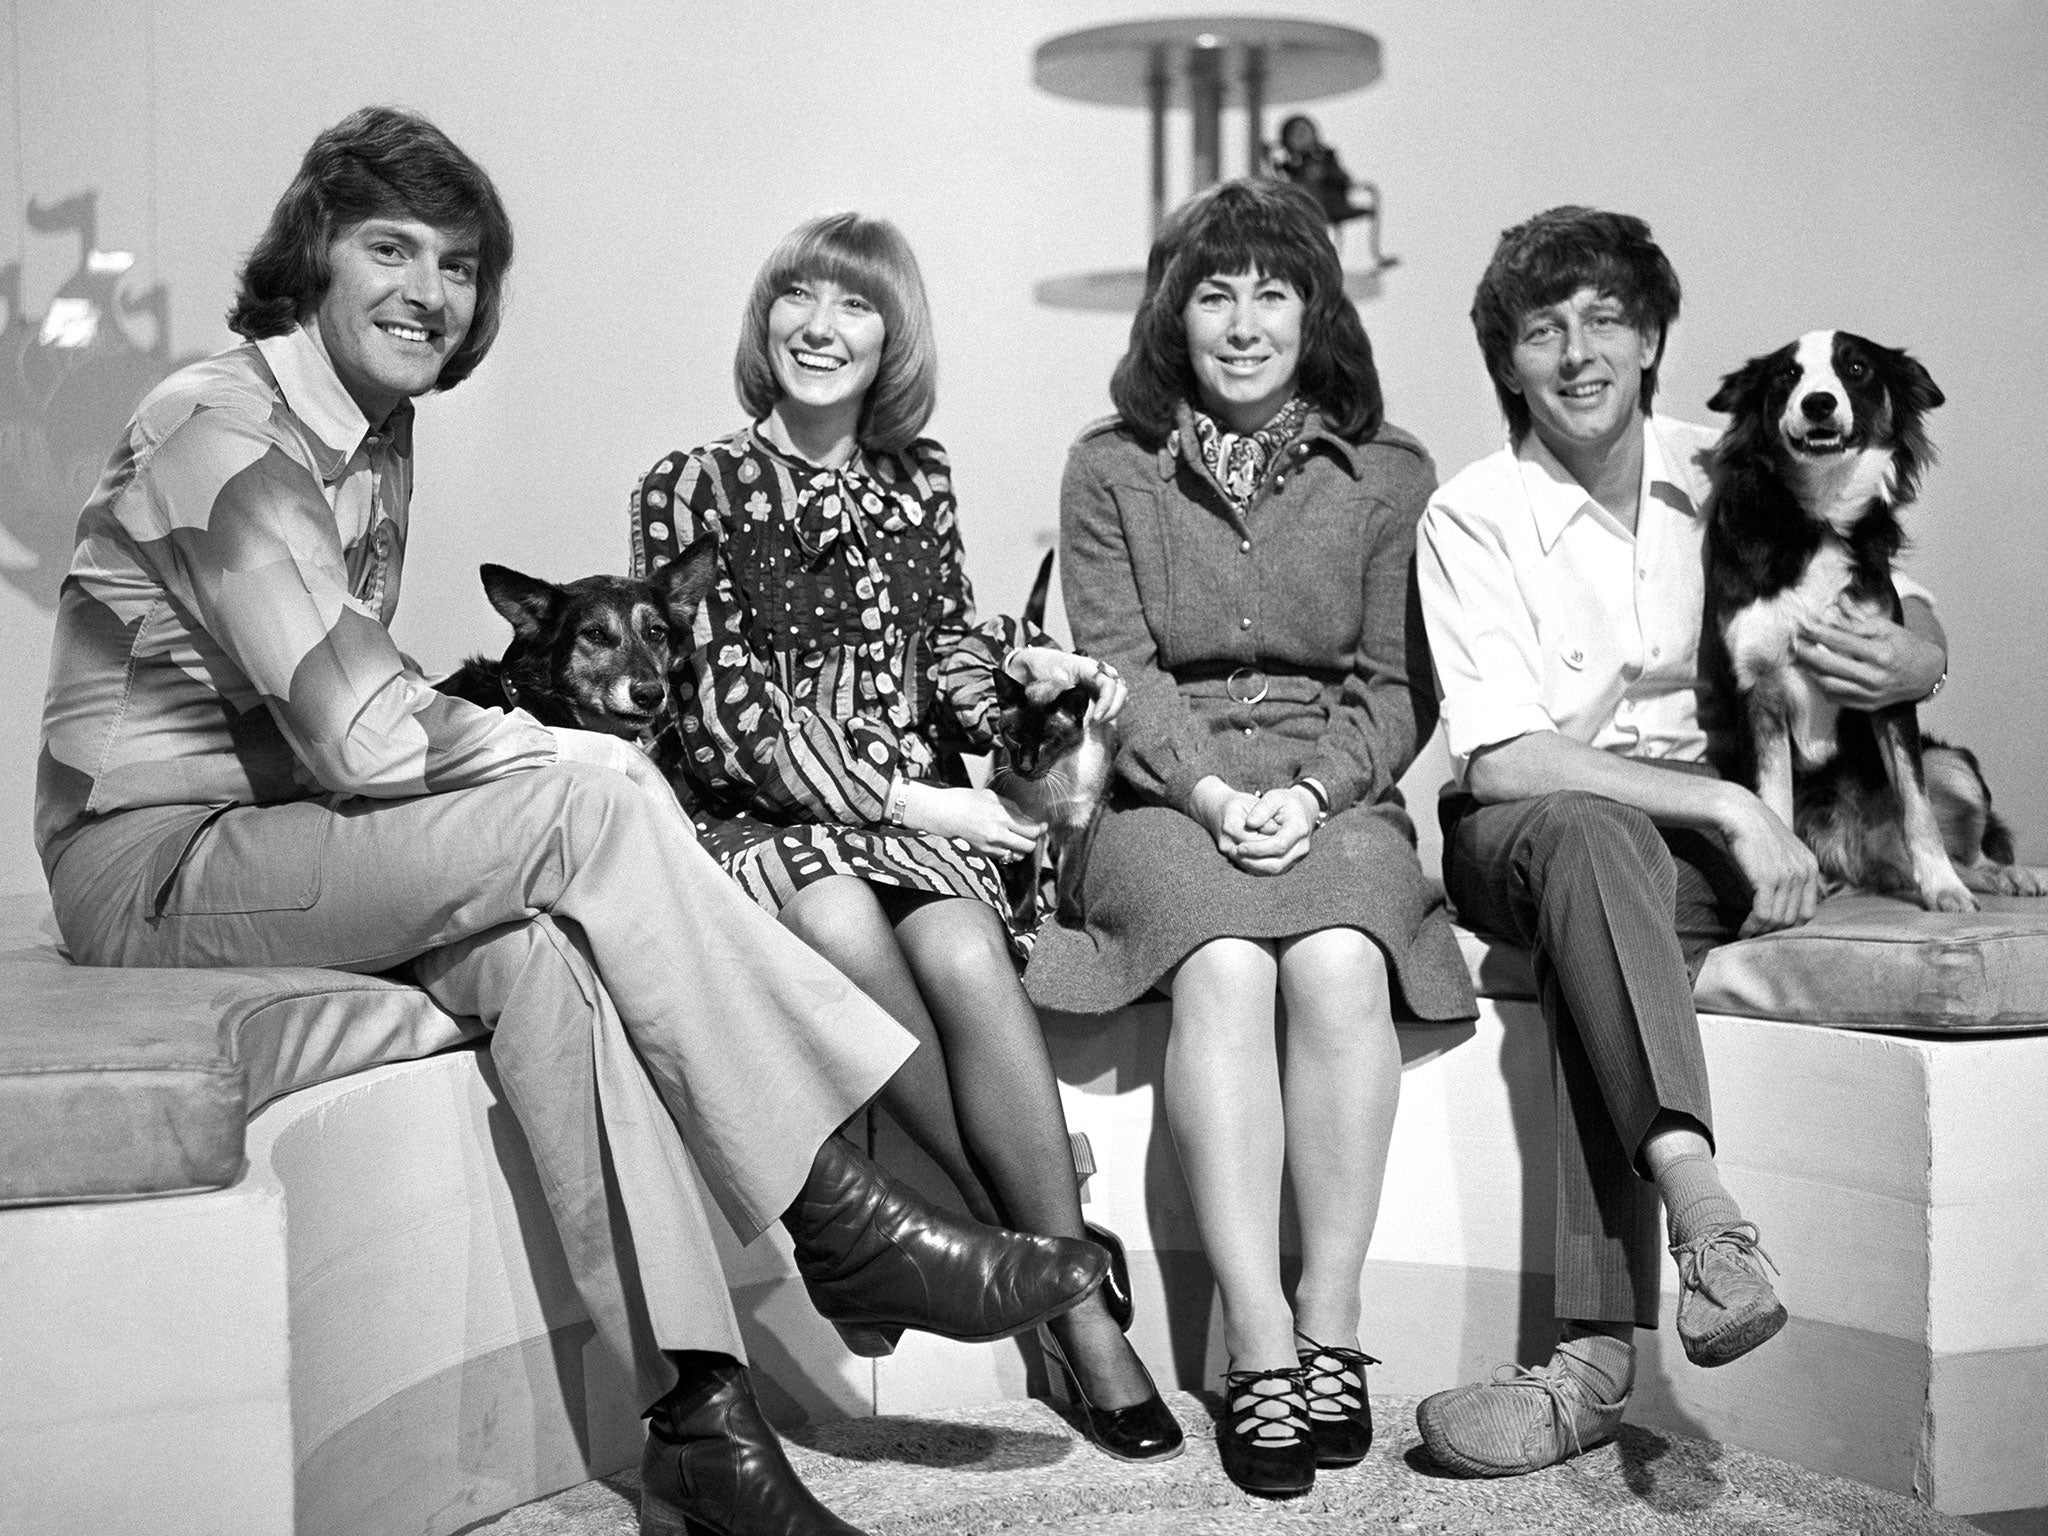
point(840, 675)
point(239, 768)
point(1304, 159)
point(1239, 540)
point(1562, 590)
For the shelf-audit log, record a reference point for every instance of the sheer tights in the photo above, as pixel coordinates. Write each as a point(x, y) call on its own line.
point(978, 1097)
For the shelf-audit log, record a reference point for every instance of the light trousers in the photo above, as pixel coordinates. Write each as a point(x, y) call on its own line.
point(645, 1013)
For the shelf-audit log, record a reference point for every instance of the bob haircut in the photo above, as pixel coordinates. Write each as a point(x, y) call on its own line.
point(870, 257)
point(1552, 257)
point(378, 162)
point(1254, 224)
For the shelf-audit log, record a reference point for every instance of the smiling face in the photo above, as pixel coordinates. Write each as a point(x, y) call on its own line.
point(1578, 365)
point(398, 304)
point(825, 344)
point(1244, 342)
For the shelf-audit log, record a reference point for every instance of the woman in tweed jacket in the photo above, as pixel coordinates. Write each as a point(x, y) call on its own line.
point(1239, 543)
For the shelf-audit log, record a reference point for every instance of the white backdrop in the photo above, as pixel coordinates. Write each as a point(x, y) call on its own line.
point(1876, 166)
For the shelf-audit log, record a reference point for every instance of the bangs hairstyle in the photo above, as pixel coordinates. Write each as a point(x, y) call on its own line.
point(376, 163)
point(1273, 228)
point(1550, 258)
point(871, 258)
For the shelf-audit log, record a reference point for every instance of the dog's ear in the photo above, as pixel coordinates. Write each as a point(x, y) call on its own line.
point(526, 602)
point(1741, 385)
point(684, 580)
point(1914, 385)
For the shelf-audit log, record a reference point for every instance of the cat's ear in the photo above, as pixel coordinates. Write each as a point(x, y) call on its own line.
point(1009, 692)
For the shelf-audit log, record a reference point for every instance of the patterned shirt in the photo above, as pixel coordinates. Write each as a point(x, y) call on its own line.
point(222, 635)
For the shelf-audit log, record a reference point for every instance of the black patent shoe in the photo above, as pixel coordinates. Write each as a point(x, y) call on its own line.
point(1116, 1288)
point(1144, 1431)
point(1264, 1439)
point(1339, 1413)
point(877, 1258)
point(713, 1467)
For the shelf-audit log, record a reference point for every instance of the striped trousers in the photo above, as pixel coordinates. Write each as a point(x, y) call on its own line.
point(1619, 913)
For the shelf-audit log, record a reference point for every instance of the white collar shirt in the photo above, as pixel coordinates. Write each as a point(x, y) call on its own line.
point(1545, 614)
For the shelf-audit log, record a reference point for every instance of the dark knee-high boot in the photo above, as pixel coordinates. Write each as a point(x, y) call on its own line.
point(713, 1467)
point(877, 1258)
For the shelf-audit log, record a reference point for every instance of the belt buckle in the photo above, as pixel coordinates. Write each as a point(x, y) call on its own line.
point(1243, 678)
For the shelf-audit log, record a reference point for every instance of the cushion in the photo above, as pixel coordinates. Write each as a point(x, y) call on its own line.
point(1864, 962)
point(1876, 962)
point(116, 1083)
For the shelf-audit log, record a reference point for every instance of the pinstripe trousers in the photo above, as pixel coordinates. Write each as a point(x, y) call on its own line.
point(1619, 913)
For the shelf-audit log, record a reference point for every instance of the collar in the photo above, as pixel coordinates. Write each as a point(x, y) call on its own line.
point(1180, 444)
point(316, 395)
point(1555, 498)
point(831, 502)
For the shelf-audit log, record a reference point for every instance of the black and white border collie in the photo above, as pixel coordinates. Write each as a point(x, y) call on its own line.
point(1826, 444)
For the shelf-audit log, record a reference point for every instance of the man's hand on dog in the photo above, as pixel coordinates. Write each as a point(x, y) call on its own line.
point(1781, 869)
point(1864, 661)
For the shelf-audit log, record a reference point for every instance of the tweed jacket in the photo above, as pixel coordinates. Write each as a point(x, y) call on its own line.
point(1283, 642)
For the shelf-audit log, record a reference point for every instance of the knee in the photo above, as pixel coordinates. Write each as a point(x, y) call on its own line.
point(962, 948)
point(837, 907)
point(1334, 960)
point(589, 807)
point(1574, 824)
point(1229, 966)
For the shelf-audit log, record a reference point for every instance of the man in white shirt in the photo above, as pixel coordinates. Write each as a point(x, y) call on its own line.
point(1562, 589)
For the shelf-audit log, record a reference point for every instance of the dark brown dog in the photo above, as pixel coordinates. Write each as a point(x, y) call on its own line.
point(594, 654)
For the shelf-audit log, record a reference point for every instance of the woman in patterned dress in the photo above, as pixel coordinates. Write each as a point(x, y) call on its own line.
point(838, 674)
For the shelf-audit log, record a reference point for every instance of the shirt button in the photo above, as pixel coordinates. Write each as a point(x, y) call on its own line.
point(1656, 650)
point(1244, 623)
point(1244, 546)
point(1279, 481)
point(1643, 571)
point(1248, 730)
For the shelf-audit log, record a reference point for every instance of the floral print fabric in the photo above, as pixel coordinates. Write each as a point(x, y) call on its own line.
point(1238, 460)
point(837, 648)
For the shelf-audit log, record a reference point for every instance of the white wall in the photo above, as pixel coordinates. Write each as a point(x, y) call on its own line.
point(1876, 166)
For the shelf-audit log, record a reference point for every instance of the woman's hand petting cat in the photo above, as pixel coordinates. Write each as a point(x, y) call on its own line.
point(1046, 672)
point(977, 817)
point(1277, 831)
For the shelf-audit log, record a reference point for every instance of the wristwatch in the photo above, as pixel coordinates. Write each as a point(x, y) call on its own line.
point(1317, 793)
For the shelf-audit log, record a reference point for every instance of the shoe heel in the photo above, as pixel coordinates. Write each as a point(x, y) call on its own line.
point(656, 1521)
point(1060, 1385)
point(869, 1341)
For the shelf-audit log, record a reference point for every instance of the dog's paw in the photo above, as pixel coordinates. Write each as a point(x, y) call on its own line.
point(2021, 880)
point(1948, 898)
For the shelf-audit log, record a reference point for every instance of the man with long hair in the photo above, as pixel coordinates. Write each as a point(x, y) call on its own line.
point(239, 768)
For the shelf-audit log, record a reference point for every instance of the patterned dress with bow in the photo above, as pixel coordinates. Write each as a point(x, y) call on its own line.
point(837, 648)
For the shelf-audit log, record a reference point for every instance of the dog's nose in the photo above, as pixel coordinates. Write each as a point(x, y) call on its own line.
point(648, 696)
point(1818, 406)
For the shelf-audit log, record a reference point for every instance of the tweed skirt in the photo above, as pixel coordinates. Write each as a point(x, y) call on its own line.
point(1157, 889)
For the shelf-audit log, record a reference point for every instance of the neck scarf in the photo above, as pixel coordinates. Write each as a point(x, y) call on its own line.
point(1239, 460)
